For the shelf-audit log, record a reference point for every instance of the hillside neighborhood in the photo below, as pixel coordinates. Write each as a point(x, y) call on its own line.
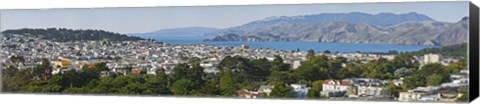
point(147, 57)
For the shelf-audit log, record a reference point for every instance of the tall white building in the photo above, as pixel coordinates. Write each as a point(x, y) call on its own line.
point(431, 58)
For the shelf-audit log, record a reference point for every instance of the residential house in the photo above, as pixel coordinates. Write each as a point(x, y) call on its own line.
point(296, 64)
point(301, 90)
point(335, 87)
point(398, 82)
point(267, 89)
point(458, 76)
point(461, 81)
point(371, 91)
point(107, 73)
point(369, 87)
point(136, 71)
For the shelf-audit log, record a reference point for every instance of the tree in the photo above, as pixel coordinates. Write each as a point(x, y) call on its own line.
point(277, 64)
point(326, 52)
point(374, 74)
point(402, 72)
point(310, 54)
point(196, 73)
point(182, 87)
point(405, 60)
point(194, 61)
point(157, 84)
point(416, 80)
point(180, 72)
point(343, 73)
point(19, 80)
point(279, 77)
point(334, 66)
point(310, 72)
point(282, 91)
point(318, 85)
point(451, 51)
point(227, 83)
point(8, 74)
point(319, 60)
point(455, 67)
point(465, 96)
point(261, 68)
point(210, 88)
point(161, 74)
point(64, 35)
point(392, 89)
point(357, 71)
point(435, 80)
point(429, 74)
point(433, 68)
point(74, 90)
point(313, 93)
point(128, 84)
point(42, 70)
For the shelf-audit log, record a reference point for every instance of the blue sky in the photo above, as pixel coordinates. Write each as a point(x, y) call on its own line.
point(138, 20)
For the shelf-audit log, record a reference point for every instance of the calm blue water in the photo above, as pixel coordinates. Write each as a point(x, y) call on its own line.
point(303, 46)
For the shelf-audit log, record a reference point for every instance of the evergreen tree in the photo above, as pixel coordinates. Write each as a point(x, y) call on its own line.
point(227, 83)
point(211, 88)
point(310, 54)
point(182, 87)
point(313, 93)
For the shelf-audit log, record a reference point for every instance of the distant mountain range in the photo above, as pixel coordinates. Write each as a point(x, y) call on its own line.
point(187, 31)
point(354, 27)
point(381, 19)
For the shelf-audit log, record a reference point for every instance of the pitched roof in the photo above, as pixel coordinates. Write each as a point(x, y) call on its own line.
point(338, 82)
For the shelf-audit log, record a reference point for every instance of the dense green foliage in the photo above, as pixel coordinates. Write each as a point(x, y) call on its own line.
point(64, 35)
point(432, 74)
point(281, 91)
point(465, 96)
point(314, 91)
point(456, 51)
point(450, 51)
point(236, 73)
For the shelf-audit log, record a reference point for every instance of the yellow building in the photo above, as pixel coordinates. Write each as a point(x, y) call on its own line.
point(61, 63)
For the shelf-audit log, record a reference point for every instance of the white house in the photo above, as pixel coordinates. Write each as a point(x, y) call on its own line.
point(331, 87)
point(267, 89)
point(398, 82)
point(301, 90)
point(296, 64)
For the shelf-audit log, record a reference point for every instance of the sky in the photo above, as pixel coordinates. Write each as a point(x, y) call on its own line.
point(147, 19)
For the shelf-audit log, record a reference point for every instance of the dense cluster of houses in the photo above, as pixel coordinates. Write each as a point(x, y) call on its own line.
point(354, 87)
point(434, 93)
point(148, 57)
point(142, 56)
